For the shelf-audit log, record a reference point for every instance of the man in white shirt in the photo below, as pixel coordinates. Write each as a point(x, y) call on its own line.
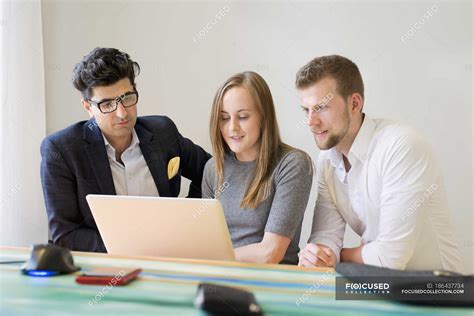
point(379, 177)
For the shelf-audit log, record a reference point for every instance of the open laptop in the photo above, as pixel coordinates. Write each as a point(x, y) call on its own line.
point(164, 227)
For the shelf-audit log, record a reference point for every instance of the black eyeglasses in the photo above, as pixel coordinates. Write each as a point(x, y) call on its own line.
point(107, 106)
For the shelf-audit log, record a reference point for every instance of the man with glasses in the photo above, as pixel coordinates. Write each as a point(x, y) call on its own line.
point(380, 178)
point(115, 152)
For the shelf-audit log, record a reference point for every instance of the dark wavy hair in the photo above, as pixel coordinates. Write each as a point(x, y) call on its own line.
point(103, 67)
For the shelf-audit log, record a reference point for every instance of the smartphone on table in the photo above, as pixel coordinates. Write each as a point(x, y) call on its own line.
point(109, 276)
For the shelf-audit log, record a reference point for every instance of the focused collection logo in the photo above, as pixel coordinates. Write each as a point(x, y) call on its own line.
point(367, 288)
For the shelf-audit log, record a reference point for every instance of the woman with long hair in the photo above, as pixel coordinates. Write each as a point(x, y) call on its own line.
point(262, 183)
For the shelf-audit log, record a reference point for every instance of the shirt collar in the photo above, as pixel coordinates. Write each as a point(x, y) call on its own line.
point(361, 143)
point(335, 157)
point(133, 144)
point(359, 147)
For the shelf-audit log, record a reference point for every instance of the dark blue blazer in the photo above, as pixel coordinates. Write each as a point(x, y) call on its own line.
point(75, 163)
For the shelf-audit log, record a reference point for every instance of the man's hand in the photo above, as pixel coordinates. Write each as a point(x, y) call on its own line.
point(317, 255)
point(353, 255)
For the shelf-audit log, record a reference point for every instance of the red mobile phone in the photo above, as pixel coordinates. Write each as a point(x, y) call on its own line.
point(109, 276)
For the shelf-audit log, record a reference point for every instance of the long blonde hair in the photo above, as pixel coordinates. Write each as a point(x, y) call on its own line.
point(271, 146)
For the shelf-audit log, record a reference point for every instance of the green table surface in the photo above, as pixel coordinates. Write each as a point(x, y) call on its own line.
point(168, 286)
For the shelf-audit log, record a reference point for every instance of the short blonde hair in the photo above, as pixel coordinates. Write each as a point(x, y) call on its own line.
point(343, 70)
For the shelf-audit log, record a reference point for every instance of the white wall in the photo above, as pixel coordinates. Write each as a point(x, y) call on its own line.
point(23, 220)
point(424, 80)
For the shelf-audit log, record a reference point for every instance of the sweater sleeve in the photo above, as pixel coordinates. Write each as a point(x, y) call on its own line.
point(293, 180)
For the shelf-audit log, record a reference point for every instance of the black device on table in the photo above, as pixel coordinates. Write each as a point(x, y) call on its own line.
point(224, 300)
point(49, 260)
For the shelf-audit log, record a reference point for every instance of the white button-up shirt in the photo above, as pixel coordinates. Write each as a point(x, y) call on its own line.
point(133, 177)
point(393, 197)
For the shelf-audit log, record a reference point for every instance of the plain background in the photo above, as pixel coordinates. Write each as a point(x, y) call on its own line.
point(424, 80)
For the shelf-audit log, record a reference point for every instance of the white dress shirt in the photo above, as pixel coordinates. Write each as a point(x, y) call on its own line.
point(133, 177)
point(393, 197)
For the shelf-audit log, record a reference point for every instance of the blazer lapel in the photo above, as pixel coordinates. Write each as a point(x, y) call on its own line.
point(153, 153)
point(95, 148)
